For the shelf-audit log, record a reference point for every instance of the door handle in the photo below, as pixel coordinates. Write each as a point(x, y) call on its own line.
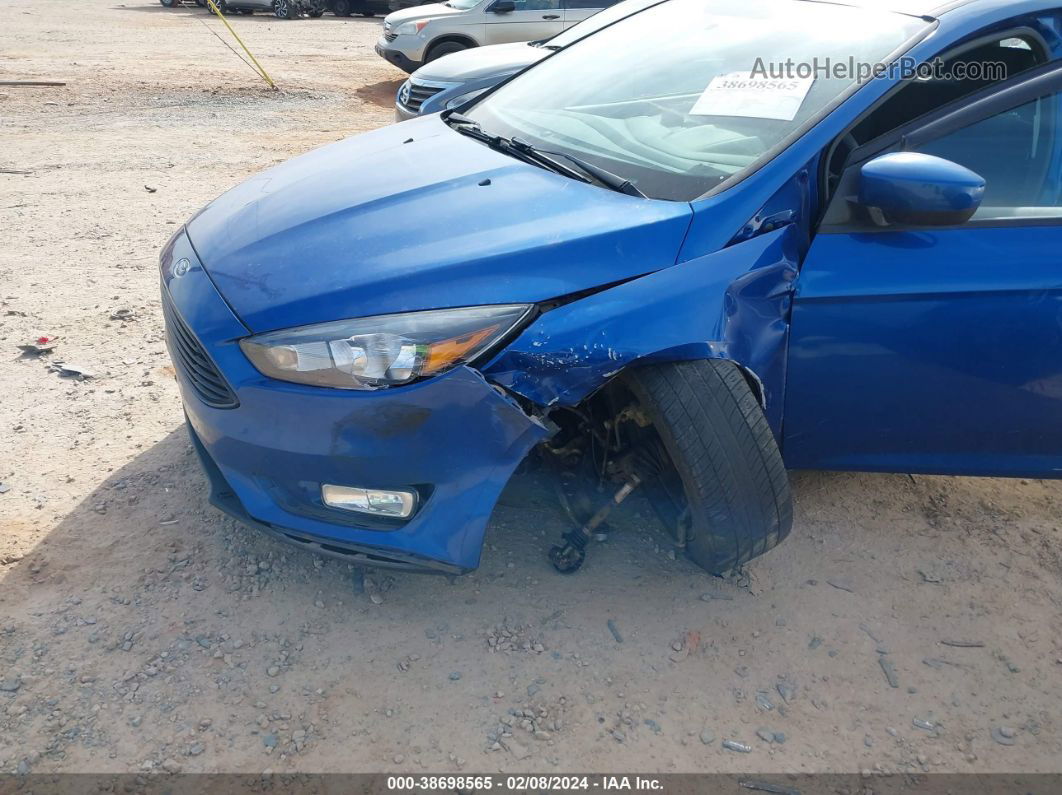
point(551, 16)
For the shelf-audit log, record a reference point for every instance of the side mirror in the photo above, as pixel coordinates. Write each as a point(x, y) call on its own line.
point(919, 190)
point(503, 7)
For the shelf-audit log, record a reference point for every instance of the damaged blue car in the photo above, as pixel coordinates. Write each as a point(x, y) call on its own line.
point(714, 241)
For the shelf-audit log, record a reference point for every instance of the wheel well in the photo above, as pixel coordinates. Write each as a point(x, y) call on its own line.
point(754, 381)
point(755, 384)
point(445, 39)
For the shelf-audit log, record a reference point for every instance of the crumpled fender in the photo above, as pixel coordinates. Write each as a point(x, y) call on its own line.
point(732, 304)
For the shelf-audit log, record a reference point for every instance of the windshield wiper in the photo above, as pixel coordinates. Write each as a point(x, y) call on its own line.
point(526, 154)
point(522, 150)
point(600, 175)
point(453, 116)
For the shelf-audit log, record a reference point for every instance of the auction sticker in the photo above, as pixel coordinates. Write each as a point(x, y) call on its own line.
point(755, 97)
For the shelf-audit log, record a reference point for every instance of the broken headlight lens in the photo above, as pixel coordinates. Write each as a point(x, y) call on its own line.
point(383, 351)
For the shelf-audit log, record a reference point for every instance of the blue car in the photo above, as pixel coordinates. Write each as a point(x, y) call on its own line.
point(714, 241)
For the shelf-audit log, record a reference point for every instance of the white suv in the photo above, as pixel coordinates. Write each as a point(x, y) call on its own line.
point(414, 36)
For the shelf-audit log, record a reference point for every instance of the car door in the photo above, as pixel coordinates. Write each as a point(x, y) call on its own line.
point(530, 20)
point(939, 350)
point(575, 11)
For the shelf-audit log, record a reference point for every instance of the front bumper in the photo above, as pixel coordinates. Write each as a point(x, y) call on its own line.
point(402, 113)
point(455, 439)
point(397, 57)
point(419, 97)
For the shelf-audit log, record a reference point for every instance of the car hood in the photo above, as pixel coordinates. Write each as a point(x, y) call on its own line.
point(430, 11)
point(479, 62)
point(417, 216)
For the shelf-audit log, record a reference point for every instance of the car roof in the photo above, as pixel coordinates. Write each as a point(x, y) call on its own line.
point(917, 8)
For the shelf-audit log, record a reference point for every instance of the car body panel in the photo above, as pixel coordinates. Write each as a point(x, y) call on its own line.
point(428, 11)
point(573, 16)
point(475, 27)
point(478, 62)
point(522, 25)
point(932, 351)
point(490, 229)
point(456, 433)
point(402, 219)
point(732, 304)
point(409, 51)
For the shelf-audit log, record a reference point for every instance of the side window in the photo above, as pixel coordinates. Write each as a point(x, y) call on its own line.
point(957, 76)
point(587, 3)
point(537, 5)
point(1019, 154)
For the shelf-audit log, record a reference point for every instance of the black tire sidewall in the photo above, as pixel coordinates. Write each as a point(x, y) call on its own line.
point(705, 412)
point(701, 523)
point(445, 48)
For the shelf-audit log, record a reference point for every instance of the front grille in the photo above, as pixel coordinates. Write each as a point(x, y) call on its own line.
point(188, 354)
point(390, 36)
point(418, 95)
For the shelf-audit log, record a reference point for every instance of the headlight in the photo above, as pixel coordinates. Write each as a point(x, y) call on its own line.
point(383, 351)
point(411, 28)
point(463, 98)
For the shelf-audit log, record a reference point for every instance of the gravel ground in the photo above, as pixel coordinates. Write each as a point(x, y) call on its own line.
point(909, 624)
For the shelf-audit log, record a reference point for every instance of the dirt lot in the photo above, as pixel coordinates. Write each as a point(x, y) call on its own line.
point(139, 629)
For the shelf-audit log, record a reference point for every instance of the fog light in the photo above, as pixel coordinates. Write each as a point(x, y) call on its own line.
point(398, 504)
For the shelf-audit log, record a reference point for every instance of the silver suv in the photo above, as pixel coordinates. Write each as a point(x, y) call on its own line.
point(461, 77)
point(413, 36)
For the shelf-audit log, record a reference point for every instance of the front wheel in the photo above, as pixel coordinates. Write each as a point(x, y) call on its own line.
point(731, 492)
point(445, 48)
point(341, 8)
point(284, 9)
point(170, 3)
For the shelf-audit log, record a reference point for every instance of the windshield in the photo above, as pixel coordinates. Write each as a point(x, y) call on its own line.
point(598, 21)
point(675, 99)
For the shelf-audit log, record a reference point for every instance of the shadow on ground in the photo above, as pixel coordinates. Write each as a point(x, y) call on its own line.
point(381, 93)
point(165, 633)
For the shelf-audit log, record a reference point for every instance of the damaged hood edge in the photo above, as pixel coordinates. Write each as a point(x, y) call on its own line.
point(416, 216)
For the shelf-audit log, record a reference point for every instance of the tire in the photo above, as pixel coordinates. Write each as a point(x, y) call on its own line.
point(718, 439)
point(284, 9)
point(445, 48)
point(170, 3)
point(341, 8)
